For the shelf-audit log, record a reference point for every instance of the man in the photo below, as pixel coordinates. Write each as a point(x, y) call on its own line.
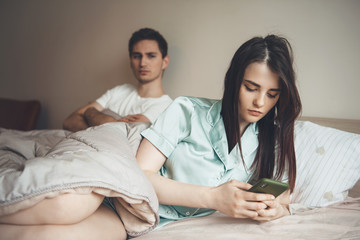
point(144, 103)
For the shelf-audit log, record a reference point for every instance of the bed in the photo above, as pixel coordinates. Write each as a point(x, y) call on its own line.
point(332, 218)
point(325, 203)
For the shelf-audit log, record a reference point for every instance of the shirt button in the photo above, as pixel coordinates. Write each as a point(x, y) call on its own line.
point(187, 213)
point(168, 211)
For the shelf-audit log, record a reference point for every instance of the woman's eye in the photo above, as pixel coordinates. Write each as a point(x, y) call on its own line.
point(249, 89)
point(272, 96)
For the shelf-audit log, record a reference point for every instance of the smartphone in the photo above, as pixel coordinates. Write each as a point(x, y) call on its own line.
point(266, 185)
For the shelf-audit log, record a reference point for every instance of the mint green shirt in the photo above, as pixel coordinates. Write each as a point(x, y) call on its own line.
point(191, 134)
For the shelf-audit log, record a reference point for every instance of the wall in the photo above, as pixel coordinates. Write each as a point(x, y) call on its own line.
point(67, 53)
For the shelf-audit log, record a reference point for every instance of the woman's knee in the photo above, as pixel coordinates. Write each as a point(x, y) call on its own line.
point(63, 209)
point(102, 224)
point(72, 208)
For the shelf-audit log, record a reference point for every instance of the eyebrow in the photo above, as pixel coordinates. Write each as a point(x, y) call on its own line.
point(139, 53)
point(257, 85)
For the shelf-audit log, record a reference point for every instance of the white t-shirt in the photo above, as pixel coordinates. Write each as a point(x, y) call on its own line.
point(124, 100)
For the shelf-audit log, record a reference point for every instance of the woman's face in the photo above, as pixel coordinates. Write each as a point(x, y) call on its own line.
point(259, 92)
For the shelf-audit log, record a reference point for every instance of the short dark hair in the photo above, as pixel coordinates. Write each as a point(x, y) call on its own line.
point(148, 34)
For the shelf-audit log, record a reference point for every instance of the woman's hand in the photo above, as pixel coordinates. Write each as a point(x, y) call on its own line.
point(232, 199)
point(275, 209)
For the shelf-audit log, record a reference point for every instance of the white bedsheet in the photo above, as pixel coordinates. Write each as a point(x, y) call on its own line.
point(339, 221)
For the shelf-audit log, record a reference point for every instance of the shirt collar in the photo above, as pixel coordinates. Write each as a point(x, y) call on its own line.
point(213, 115)
point(219, 141)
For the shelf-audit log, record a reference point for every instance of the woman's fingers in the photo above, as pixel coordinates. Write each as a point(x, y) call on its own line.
point(239, 184)
point(273, 211)
point(234, 200)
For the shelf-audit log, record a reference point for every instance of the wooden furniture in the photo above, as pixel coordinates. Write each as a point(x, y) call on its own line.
point(19, 114)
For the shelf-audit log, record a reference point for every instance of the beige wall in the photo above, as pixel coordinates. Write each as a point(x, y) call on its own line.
point(67, 53)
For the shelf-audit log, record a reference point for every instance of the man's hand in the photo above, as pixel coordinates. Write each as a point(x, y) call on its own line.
point(134, 118)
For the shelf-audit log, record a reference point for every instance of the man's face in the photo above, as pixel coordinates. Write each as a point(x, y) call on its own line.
point(147, 62)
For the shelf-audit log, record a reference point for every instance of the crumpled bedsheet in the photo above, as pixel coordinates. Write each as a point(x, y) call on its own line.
point(42, 164)
point(334, 222)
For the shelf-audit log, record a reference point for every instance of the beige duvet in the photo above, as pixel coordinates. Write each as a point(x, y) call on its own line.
point(46, 163)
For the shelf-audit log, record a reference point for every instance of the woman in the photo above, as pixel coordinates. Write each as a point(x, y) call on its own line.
point(196, 146)
point(200, 153)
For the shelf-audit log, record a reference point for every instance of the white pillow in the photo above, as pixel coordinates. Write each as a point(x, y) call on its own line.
point(328, 164)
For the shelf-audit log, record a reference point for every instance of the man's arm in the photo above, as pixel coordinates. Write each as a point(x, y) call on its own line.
point(134, 118)
point(92, 115)
point(77, 121)
point(95, 117)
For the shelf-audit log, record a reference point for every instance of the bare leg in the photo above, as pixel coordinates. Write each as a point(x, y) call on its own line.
point(64, 209)
point(103, 224)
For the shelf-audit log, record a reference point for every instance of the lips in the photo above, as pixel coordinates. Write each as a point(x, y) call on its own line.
point(254, 113)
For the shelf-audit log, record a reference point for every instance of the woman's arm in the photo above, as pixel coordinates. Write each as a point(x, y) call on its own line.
point(228, 198)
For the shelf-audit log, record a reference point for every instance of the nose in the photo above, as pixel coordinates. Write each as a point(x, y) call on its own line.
point(259, 100)
point(143, 61)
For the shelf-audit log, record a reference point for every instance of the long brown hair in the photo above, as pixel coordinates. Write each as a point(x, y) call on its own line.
point(276, 153)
